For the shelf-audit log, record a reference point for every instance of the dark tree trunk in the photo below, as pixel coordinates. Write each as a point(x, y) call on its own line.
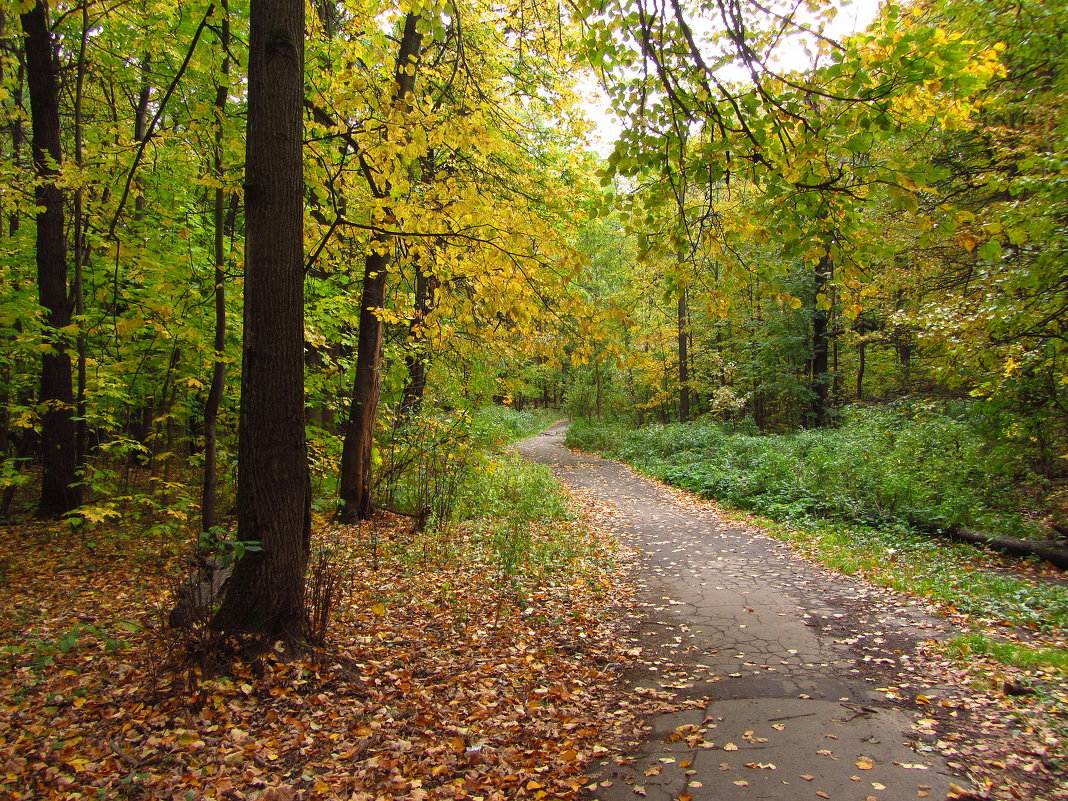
point(265, 595)
point(684, 359)
point(218, 373)
point(141, 129)
point(820, 374)
point(59, 493)
point(416, 358)
point(80, 249)
point(354, 486)
point(862, 363)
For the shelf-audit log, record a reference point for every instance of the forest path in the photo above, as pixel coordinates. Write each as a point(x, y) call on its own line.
point(789, 656)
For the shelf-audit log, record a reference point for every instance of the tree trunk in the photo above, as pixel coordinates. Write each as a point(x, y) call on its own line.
point(354, 486)
point(59, 493)
point(80, 252)
point(820, 375)
point(862, 363)
point(684, 360)
point(416, 358)
point(265, 595)
point(218, 373)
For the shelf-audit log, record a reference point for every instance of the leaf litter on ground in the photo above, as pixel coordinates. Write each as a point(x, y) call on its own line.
point(440, 680)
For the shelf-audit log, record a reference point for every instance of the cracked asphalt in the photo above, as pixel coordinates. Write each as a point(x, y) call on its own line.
point(778, 662)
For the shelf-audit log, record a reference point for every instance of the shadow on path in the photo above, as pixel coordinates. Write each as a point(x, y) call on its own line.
point(783, 660)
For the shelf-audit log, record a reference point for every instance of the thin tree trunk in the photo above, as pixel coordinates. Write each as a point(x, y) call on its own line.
point(862, 356)
point(218, 373)
point(819, 372)
point(265, 594)
point(141, 130)
point(354, 485)
point(416, 358)
point(80, 251)
point(59, 490)
point(684, 360)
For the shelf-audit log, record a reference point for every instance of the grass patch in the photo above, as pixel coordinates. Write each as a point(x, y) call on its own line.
point(494, 426)
point(1015, 654)
point(956, 576)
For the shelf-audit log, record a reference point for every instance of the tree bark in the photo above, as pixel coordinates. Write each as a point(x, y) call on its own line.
point(265, 595)
point(684, 359)
point(1053, 551)
point(416, 358)
point(819, 372)
point(218, 373)
point(59, 491)
point(354, 486)
point(862, 362)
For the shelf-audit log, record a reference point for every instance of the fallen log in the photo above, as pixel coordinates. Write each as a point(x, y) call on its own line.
point(1053, 551)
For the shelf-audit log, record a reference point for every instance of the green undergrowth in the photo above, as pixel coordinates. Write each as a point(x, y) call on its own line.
point(506, 512)
point(493, 426)
point(919, 470)
point(849, 499)
point(512, 518)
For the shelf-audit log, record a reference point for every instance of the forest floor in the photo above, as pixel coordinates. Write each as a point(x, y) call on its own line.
point(442, 678)
point(783, 680)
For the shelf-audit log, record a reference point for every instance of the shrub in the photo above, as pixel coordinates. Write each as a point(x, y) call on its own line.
point(885, 466)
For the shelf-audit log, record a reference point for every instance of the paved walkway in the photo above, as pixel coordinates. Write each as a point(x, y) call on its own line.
point(790, 656)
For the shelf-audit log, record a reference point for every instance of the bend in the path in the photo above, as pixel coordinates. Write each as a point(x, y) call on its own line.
point(786, 666)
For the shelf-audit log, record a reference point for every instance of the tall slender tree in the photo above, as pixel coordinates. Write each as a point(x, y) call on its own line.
point(266, 592)
point(60, 492)
point(355, 481)
point(218, 373)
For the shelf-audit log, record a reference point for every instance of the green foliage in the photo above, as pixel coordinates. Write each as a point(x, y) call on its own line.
point(221, 543)
point(823, 486)
point(494, 425)
point(506, 487)
point(1010, 653)
point(889, 467)
point(517, 510)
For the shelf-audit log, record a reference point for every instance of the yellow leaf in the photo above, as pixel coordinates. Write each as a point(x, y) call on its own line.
point(864, 764)
point(378, 608)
